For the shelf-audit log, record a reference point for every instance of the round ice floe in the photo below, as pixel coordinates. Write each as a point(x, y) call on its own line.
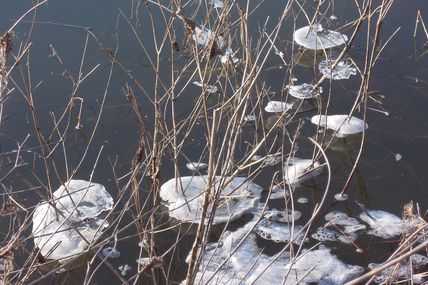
point(65, 226)
point(277, 107)
point(342, 125)
point(194, 166)
point(315, 37)
point(297, 170)
point(342, 70)
point(341, 197)
point(304, 91)
point(302, 200)
point(383, 224)
point(185, 197)
point(398, 157)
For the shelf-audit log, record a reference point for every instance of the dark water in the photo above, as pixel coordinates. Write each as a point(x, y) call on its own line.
point(380, 181)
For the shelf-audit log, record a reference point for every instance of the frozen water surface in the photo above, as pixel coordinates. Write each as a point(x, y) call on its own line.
point(270, 159)
point(216, 3)
point(285, 216)
point(321, 267)
point(239, 263)
point(236, 259)
point(398, 157)
point(315, 37)
point(229, 57)
point(342, 125)
point(383, 224)
point(185, 197)
point(250, 118)
point(341, 197)
point(340, 218)
point(279, 232)
point(304, 91)
point(64, 227)
point(203, 36)
point(297, 170)
point(194, 166)
point(403, 271)
point(277, 107)
point(124, 269)
point(302, 200)
point(110, 252)
point(208, 88)
point(342, 70)
point(278, 192)
point(324, 234)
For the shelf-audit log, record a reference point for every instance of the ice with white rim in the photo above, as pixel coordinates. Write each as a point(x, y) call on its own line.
point(383, 224)
point(315, 37)
point(208, 88)
point(203, 36)
point(298, 170)
point(278, 107)
point(185, 196)
point(195, 166)
point(342, 70)
point(342, 125)
point(304, 91)
point(66, 226)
